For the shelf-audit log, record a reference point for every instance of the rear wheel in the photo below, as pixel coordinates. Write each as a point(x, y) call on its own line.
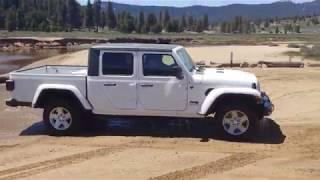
point(236, 120)
point(62, 117)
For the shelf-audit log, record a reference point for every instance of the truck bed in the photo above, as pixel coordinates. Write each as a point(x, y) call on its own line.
point(55, 70)
point(27, 81)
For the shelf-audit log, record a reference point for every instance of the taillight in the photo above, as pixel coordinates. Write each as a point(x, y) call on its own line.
point(9, 85)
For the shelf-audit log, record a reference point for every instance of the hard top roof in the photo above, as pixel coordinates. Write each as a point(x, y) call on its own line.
point(136, 47)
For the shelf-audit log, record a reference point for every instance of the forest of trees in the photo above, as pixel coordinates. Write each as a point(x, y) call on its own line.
point(269, 25)
point(238, 25)
point(69, 15)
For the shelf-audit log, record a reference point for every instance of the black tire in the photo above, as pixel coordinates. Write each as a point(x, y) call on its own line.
point(225, 110)
point(76, 112)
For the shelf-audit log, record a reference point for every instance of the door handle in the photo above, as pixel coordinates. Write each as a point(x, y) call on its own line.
point(146, 85)
point(110, 84)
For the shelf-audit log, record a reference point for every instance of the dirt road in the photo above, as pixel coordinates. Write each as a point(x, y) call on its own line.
point(287, 145)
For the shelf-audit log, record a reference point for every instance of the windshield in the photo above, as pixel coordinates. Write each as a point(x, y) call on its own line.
point(186, 59)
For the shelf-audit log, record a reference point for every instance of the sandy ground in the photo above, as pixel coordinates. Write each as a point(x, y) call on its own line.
point(286, 146)
point(250, 54)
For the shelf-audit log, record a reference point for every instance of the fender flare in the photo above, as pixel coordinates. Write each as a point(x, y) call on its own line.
point(216, 93)
point(42, 88)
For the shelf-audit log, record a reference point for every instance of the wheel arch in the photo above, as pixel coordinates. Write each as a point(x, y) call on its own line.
point(44, 92)
point(231, 95)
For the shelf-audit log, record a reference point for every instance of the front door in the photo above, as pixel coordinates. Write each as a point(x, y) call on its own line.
point(158, 87)
point(115, 89)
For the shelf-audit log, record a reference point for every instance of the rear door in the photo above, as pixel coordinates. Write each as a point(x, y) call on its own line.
point(115, 89)
point(158, 88)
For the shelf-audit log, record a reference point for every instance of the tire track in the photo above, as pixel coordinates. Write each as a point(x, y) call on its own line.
point(22, 145)
point(40, 167)
point(225, 164)
point(4, 147)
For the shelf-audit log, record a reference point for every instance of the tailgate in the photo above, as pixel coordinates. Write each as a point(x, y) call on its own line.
point(22, 86)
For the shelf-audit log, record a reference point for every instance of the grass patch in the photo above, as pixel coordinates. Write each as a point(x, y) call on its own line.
point(198, 38)
point(293, 53)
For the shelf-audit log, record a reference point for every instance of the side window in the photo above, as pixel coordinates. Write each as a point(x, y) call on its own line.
point(159, 65)
point(117, 64)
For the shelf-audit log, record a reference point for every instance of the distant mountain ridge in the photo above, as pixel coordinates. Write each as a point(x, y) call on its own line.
point(222, 13)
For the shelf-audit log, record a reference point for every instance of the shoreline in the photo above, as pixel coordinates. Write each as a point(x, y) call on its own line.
point(37, 60)
point(16, 59)
point(16, 43)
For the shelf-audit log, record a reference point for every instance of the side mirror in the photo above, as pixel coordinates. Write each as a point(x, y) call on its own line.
point(178, 72)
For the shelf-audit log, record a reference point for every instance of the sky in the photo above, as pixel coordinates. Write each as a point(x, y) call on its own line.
point(182, 3)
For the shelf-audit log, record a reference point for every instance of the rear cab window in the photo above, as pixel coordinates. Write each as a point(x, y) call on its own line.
point(117, 64)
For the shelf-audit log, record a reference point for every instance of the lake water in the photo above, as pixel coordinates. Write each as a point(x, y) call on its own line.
point(13, 60)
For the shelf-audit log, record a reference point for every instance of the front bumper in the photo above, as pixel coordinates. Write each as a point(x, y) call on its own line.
point(268, 107)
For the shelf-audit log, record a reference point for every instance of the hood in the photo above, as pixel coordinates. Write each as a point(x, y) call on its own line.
point(228, 78)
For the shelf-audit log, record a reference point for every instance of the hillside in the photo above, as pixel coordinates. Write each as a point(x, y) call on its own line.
point(218, 14)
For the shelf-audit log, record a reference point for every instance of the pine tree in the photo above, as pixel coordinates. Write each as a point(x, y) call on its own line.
point(166, 19)
point(156, 28)
point(20, 20)
point(199, 26)
point(97, 14)
point(223, 27)
point(4, 4)
point(246, 26)
point(173, 26)
point(229, 28)
point(141, 23)
point(266, 23)
point(11, 20)
point(118, 20)
point(151, 21)
point(297, 28)
point(129, 23)
point(52, 15)
point(205, 22)
point(15, 3)
point(277, 30)
point(315, 20)
point(112, 22)
point(183, 24)
point(2, 19)
point(190, 23)
point(161, 18)
point(103, 19)
point(73, 14)
point(286, 28)
point(62, 15)
point(89, 16)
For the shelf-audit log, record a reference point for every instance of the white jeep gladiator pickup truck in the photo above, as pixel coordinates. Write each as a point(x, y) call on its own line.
point(140, 80)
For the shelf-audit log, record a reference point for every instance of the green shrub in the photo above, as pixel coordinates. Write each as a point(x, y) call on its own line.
point(294, 46)
point(273, 44)
point(312, 52)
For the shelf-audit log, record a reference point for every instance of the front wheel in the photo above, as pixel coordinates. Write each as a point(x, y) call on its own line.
point(62, 117)
point(236, 120)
